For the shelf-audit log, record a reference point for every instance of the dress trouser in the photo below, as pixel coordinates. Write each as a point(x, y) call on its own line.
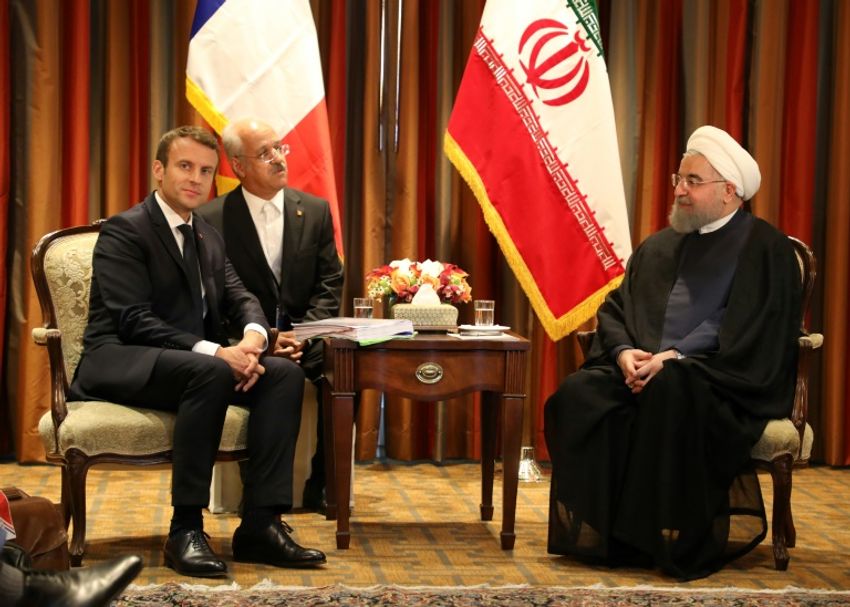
point(200, 388)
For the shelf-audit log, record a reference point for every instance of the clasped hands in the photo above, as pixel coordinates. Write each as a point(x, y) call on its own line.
point(288, 347)
point(244, 360)
point(244, 357)
point(640, 366)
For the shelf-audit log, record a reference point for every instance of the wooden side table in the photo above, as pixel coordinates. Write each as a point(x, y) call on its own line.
point(428, 367)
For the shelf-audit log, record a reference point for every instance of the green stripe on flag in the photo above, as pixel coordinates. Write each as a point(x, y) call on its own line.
point(588, 15)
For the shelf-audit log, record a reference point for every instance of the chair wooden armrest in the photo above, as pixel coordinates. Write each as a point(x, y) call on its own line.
point(800, 412)
point(52, 340)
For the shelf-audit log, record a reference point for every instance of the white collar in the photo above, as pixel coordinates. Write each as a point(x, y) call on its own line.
point(718, 223)
point(174, 220)
point(256, 204)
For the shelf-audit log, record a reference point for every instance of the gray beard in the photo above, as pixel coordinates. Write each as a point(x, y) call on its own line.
point(685, 222)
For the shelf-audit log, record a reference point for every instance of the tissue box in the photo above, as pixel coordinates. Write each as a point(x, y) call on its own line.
point(442, 316)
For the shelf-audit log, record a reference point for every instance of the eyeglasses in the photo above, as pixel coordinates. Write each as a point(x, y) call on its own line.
point(690, 181)
point(270, 155)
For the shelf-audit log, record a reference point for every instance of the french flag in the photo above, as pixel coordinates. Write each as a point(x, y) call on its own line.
point(260, 58)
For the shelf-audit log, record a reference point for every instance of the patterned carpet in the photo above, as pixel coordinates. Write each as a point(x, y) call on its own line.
point(342, 596)
point(418, 525)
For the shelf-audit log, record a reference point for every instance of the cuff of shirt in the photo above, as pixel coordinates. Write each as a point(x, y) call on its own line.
point(206, 347)
point(252, 326)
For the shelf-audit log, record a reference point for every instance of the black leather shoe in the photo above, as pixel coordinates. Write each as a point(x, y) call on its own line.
point(188, 553)
point(314, 497)
point(90, 587)
point(272, 545)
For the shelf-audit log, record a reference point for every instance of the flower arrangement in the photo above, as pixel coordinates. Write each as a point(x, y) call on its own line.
point(402, 279)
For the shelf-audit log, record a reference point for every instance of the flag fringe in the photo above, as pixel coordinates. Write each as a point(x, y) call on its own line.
point(205, 106)
point(556, 328)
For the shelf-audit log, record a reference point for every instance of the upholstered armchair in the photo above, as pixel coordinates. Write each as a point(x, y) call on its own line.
point(78, 435)
point(785, 443)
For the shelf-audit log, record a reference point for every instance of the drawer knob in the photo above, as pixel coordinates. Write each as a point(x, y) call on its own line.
point(429, 373)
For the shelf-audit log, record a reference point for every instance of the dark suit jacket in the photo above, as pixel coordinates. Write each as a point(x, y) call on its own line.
point(311, 272)
point(140, 299)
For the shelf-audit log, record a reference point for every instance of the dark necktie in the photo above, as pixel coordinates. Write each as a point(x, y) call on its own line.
point(190, 261)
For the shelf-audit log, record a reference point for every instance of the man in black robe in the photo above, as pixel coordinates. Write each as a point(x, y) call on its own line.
point(694, 352)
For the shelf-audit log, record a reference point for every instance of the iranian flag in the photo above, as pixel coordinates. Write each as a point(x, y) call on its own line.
point(532, 132)
point(260, 58)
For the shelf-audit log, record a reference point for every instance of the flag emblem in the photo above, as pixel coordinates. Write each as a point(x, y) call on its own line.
point(561, 70)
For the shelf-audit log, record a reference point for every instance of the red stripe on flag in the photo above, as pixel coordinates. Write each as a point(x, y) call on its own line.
point(311, 163)
point(550, 240)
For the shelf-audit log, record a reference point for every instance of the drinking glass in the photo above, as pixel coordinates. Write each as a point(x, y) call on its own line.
point(484, 312)
point(362, 307)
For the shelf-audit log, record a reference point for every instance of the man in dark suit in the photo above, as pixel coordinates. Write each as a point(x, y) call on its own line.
point(281, 243)
point(162, 297)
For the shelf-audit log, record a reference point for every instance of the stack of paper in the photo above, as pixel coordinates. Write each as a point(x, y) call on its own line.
point(358, 329)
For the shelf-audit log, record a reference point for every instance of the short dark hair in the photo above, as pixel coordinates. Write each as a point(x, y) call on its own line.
point(196, 133)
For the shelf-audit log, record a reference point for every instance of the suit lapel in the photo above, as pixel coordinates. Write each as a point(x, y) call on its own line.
point(164, 233)
point(293, 227)
point(205, 257)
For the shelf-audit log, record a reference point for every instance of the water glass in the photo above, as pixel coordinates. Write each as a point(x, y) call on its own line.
point(485, 312)
point(362, 307)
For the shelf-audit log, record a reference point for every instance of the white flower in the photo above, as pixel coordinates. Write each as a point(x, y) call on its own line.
point(431, 268)
point(403, 265)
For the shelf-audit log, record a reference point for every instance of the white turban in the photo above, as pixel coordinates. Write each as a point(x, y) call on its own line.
point(728, 158)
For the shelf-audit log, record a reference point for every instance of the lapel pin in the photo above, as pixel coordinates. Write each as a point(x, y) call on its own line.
point(299, 212)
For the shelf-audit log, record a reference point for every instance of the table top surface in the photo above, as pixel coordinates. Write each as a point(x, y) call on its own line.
point(436, 341)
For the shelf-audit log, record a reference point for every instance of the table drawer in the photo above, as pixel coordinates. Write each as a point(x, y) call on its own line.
point(430, 374)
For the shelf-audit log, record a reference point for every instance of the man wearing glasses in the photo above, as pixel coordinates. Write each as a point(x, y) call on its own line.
point(693, 353)
point(281, 243)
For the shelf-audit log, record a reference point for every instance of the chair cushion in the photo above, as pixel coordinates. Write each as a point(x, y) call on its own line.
point(781, 437)
point(97, 427)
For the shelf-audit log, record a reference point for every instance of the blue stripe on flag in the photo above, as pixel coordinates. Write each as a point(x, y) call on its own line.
point(203, 11)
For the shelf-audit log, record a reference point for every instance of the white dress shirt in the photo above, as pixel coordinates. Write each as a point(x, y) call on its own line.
point(268, 221)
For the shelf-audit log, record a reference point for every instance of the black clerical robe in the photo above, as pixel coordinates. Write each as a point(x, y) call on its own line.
point(661, 477)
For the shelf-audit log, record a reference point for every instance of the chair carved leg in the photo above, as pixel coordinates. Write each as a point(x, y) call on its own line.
point(790, 530)
point(66, 497)
point(780, 471)
point(77, 470)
